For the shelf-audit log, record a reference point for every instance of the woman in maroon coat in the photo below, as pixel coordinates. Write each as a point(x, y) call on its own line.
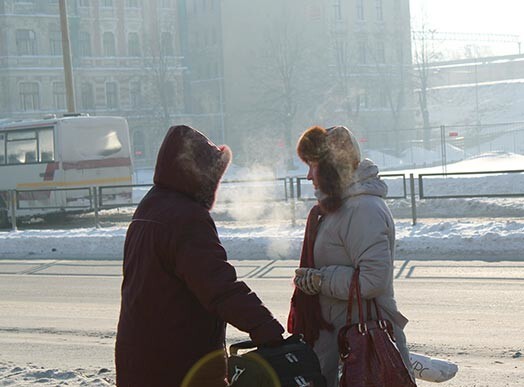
point(178, 290)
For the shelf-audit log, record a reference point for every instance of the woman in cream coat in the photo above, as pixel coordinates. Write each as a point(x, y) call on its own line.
point(356, 230)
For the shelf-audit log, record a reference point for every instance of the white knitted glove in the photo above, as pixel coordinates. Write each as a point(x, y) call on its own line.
point(308, 280)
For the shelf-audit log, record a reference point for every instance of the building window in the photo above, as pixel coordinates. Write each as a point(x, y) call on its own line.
point(383, 100)
point(132, 3)
point(362, 53)
point(84, 43)
point(107, 3)
point(381, 53)
point(397, 6)
point(337, 6)
point(360, 9)
point(87, 96)
point(139, 145)
point(166, 44)
point(112, 95)
point(362, 99)
point(135, 94)
point(380, 12)
point(55, 41)
point(84, 3)
point(29, 96)
point(25, 42)
point(59, 95)
point(133, 44)
point(109, 44)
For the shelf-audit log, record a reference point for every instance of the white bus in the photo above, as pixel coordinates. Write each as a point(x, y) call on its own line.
point(47, 160)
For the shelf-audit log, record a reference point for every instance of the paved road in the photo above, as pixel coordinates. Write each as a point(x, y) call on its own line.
point(62, 314)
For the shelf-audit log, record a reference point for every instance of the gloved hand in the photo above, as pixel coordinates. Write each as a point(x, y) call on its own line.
point(308, 280)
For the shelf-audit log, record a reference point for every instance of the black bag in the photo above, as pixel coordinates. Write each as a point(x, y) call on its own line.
point(292, 364)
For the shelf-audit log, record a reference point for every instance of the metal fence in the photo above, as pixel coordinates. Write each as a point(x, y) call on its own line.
point(21, 205)
point(440, 145)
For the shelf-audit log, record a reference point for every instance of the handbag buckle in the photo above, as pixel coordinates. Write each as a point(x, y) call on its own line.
point(382, 324)
point(362, 328)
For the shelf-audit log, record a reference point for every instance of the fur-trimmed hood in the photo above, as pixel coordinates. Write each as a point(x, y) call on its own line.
point(188, 162)
point(340, 170)
point(365, 181)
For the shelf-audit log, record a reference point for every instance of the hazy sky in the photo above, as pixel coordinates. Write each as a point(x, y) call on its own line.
point(473, 16)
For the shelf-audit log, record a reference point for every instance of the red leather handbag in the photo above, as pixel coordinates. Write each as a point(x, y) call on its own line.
point(369, 355)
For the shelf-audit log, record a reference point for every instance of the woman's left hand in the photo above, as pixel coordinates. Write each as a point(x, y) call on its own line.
point(308, 280)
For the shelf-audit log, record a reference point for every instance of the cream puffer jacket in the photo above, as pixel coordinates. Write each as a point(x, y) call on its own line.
point(360, 233)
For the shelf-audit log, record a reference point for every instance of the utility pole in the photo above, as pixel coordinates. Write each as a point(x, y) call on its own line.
point(66, 54)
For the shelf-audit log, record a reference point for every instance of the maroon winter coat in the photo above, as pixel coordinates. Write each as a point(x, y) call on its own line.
point(178, 289)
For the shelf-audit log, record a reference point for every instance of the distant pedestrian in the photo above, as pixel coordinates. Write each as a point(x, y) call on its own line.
point(178, 289)
point(350, 227)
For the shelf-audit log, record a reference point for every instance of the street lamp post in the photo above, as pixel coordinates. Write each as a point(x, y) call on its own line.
point(66, 54)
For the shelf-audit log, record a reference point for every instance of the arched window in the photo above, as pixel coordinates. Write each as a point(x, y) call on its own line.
point(59, 95)
point(139, 146)
point(133, 44)
point(112, 95)
point(25, 42)
point(87, 96)
point(166, 44)
point(84, 43)
point(55, 40)
point(109, 44)
point(29, 96)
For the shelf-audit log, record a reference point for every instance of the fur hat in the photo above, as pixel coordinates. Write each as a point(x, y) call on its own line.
point(338, 155)
point(188, 162)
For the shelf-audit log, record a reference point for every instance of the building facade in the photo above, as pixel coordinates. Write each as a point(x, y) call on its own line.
point(125, 63)
point(253, 74)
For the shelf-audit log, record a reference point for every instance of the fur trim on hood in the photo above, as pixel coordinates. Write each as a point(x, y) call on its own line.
point(365, 182)
point(188, 162)
point(338, 155)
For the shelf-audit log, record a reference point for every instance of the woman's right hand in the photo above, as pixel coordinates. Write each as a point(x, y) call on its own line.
point(308, 280)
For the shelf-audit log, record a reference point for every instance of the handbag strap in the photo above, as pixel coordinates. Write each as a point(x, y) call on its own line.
point(354, 291)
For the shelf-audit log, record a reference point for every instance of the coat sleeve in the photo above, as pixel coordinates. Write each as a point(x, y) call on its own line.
point(201, 262)
point(366, 239)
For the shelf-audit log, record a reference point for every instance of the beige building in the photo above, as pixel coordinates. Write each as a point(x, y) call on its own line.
point(125, 63)
point(253, 74)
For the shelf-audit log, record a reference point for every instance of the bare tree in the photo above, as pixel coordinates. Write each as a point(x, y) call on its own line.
point(343, 89)
point(424, 54)
point(282, 81)
point(393, 84)
point(163, 74)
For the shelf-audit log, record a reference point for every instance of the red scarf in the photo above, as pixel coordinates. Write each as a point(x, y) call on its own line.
point(305, 316)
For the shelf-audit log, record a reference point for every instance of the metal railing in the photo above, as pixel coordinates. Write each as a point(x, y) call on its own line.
point(17, 204)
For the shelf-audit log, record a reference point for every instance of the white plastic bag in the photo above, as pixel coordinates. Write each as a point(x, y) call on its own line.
point(432, 369)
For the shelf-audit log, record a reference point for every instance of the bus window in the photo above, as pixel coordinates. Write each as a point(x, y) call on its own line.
point(21, 147)
point(2, 149)
point(46, 145)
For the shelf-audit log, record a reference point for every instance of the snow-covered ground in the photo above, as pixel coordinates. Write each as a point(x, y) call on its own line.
point(447, 238)
point(494, 239)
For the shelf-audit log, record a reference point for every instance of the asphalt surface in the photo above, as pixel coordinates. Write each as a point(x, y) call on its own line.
point(62, 314)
